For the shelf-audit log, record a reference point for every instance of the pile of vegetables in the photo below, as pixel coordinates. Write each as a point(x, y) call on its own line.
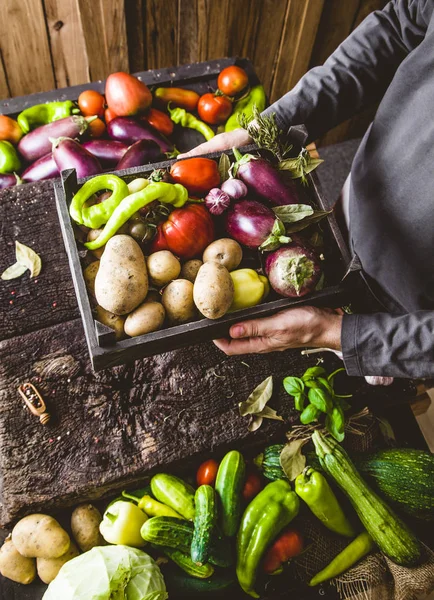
point(225, 525)
point(129, 127)
point(191, 242)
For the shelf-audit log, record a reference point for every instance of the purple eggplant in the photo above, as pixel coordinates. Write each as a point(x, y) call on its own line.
point(128, 130)
point(43, 168)
point(256, 226)
point(108, 152)
point(69, 154)
point(37, 143)
point(9, 180)
point(293, 270)
point(264, 180)
point(140, 153)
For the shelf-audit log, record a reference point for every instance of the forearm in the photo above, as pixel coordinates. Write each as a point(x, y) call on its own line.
point(389, 345)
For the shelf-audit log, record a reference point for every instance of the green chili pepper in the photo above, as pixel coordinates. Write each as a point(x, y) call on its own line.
point(268, 513)
point(357, 549)
point(153, 508)
point(9, 161)
point(314, 489)
point(98, 214)
point(181, 117)
point(175, 194)
point(256, 97)
point(42, 114)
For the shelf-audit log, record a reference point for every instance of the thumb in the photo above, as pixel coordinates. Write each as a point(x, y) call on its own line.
point(254, 328)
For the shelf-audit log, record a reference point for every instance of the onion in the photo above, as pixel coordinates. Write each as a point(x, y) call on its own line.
point(235, 188)
point(293, 270)
point(217, 201)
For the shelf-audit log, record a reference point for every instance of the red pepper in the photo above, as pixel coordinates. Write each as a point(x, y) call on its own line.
point(198, 175)
point(186, 233)
point(286, 546)
point(177, 97)
point(252, 486)
point(159, 120)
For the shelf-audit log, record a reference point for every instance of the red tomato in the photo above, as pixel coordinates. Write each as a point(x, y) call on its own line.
point(252, 486)
point(91, 102)
point(109, 115)
point(232, 80)
point(159, 120)
point(10, 130)
point(286, 546)
point(214, 109)
point(188, 231)
point(126, 95)
point(198, 175)
point(159, 241)
point(96, 128)
point(207, 472)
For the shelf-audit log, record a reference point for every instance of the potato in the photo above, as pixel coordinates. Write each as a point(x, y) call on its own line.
point(49, 567)
point(40, 536)
point(14, 566)
point(178, 301)
point(92, 235)
point(85, 521)
point(89, 276)
point(114, 321)
point(121, 283)
point(163, 266)
point(213, 290)
point(225, 251)
point(190, 269)
point(144, 319)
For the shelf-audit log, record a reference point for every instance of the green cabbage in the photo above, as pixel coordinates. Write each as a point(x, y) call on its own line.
point(109, 573)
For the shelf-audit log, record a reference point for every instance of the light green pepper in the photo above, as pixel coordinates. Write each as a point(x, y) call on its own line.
point(255, 98)
point(121, 524)
point(9, 161)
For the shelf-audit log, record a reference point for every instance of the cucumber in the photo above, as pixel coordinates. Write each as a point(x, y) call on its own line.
point(204, 523)
point(174, 492)
point(168, 531)
point(186, 564)
point(229, 486)
point(181, 586)
point(390, 534)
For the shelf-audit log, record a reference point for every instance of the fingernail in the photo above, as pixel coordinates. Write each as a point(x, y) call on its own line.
point(237, 331)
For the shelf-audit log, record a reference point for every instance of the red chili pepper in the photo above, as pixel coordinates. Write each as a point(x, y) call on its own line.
point(159, 120)
point(252, 486)
point(177, 97)
point(286, 546)
point(198, 175)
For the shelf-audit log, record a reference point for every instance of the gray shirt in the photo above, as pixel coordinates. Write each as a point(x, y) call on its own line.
point(388, 58)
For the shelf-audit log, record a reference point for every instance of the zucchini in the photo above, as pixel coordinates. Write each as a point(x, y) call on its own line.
point(229, 486)
point(174, 492)
point(390, 534)
point(269, 462)
point(204, 523)
point(168, 531)
point(181, 586)
point(186, 564)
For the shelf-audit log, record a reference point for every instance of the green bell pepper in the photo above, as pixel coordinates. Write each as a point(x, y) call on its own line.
point(42, 114)
point(250, 289)
point(268, 513)
point(121, 524)
point(256, 97)
point(312, 487)
point(9, 161)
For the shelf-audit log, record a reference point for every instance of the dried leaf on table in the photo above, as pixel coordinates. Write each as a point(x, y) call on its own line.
point(258, 399)
point(292, 460)
point(28, 258)
point(14, 271)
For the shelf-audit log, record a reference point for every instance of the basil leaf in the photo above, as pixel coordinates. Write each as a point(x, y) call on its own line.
point(28, 258)
point(294, 386)
point(321, 400)
point(314, 372)
point(257, 400)
point(317, 216)
point(292, 460)
point(291, 213)
point(310, 413)
point(14, 271)
point(299, 400)
point(342, 403)
point(325, 383)
point(335, 423)
point(224, 166)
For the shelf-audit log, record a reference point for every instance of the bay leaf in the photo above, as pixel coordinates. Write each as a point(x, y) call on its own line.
point(317, 216)
point(255, 424)
point(224, 166)
point(28, 258)
point(291, 213)
point(14, 271)
point(269, 413)
point(258, 399)
point(292, 460)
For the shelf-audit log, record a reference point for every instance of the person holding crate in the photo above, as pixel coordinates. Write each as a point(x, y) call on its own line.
point(389, 58)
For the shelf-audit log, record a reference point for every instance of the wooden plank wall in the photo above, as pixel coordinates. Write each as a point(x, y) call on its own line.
point(56, 43)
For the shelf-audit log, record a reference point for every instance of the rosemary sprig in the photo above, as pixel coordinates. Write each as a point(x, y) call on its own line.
point(265, 133)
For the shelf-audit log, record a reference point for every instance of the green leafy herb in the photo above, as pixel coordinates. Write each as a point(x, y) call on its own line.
point(292, 460)
point(292, 213)
point(293, 385)
point(335, 423)
point(265, 133)
point(26, 259)
point(309, 414)
point(224, 166)
point(321, 399)
point(318, 215)
point(301, 165)
point(314, 372)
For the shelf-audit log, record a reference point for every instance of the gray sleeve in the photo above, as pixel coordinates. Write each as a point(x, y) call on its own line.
point(389, 345)
point(358, 73)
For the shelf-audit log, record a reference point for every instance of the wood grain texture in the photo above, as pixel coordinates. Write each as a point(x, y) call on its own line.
point(70, 61)
point(136, 32)
point(4, 87)
point(24, 47)
point(161, 22)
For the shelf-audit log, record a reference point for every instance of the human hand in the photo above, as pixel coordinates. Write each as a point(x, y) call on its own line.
point(292, 328)
point(223, 141)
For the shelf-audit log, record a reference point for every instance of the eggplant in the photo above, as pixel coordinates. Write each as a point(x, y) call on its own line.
point(128, 130)
point(69, 154)
point(264, 180)
point(108, 152)
point(43, 168)
point(9, 180)
point(37, 143)
point(293, 270)
point(140, 153)
point(254, 225)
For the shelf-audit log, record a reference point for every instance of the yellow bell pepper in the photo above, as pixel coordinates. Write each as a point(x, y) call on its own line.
point(250, 289)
